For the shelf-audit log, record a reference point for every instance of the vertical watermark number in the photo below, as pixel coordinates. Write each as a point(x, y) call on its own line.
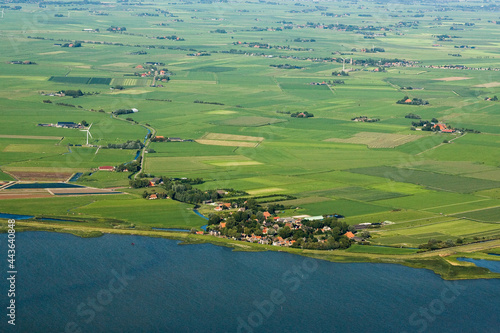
point(11, 272)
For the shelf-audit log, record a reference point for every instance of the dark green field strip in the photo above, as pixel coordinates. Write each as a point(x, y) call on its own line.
point(364, 194)
point(70, 79)
point(486, 215)
point(431, 180)
point(81, 80)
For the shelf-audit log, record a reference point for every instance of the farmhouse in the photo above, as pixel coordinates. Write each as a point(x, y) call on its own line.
point(349, 235)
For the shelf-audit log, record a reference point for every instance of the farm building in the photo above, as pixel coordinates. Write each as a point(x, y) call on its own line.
point(67, 124)
point(349, 235)
point(106, 168)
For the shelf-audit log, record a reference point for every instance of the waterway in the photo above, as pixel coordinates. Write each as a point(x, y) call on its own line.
point(492, 265)
point(118, 283)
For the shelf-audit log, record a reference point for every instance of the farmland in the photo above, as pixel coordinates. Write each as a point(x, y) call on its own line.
point(232, 105)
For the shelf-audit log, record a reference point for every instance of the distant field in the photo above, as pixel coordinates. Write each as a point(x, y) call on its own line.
point(250, 121)
point(486, 215)
point(232, 137)
point(80, 80)
point(453, 78)
point(430, 179)
point(378, 140)
point(227, 143)
point(31, 137)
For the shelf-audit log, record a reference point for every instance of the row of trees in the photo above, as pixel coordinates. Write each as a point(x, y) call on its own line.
point(122, 111)
point(130, 144)
point(304, 114)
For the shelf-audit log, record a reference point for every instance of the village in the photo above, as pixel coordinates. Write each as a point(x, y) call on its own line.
point(302, 231)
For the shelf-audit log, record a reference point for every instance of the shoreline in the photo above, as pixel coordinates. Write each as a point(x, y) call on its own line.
point(442, 262)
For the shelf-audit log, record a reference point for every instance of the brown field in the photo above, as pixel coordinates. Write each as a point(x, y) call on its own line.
point(43, 176)
point(377, 140)
point(227, 143)
point(8, 196)
point(31, 137)
point(453, 78)
point(220, 136)
point(23, 194)
point(488, 85)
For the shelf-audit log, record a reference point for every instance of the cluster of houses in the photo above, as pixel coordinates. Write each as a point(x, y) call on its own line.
point(294, 223)
point(20, 62)
point(365, 119)
point(442, 128)
point(63, 124)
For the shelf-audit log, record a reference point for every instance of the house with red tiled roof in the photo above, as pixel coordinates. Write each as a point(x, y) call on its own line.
point(153, 197)
point(107, 168)
point(349, 235)
point(266, 215)
point(223, 224)
point(440, 126)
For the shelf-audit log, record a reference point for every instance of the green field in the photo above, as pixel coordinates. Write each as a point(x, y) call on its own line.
point(238, 101)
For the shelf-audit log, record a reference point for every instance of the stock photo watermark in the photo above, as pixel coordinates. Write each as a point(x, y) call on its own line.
point(12, 271)
point(293, 278)
point(423, 318)
point(87, 311)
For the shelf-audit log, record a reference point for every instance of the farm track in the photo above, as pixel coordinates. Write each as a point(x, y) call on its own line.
point(441, 144)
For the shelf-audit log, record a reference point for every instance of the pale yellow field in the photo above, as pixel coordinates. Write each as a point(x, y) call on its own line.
point(228, 164)
point(220, 136)
point(52, 52)
point(453, 78)
point(265, 190)
point(377, 140)
point(488, 85)
point(221, 112)
point(227, 143)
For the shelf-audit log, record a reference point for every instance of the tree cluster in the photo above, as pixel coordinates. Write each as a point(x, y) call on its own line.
point(304, 114)
point(415, 101)
point(130, 144)
point(413, 116)
point(122, 111)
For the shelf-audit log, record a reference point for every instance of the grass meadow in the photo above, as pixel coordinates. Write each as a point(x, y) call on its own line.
point(369, 172)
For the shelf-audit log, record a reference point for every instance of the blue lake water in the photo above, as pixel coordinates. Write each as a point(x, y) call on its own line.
point(139, 284)
point(492, 265)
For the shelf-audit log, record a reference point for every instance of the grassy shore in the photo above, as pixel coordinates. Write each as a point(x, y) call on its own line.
point(443, 262)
